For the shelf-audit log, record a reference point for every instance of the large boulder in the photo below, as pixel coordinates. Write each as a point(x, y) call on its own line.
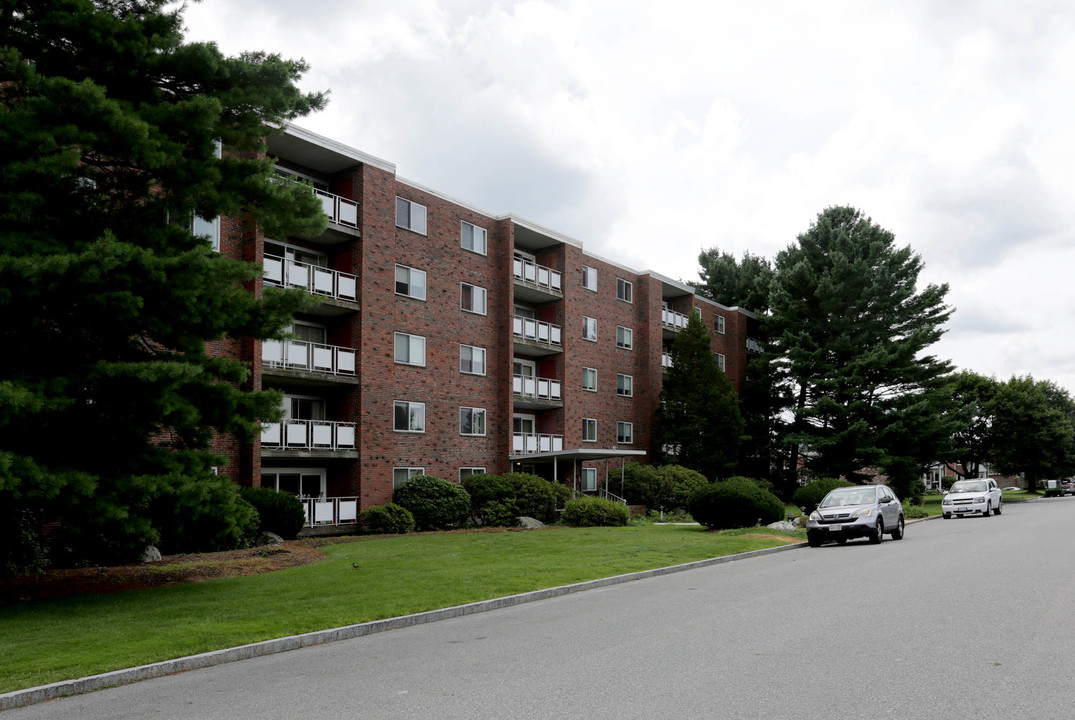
point(268, 538)
point(151, 554)
point(529, 522)
point(781, 525)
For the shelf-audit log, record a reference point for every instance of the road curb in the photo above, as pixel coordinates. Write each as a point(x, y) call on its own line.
point(65, 688)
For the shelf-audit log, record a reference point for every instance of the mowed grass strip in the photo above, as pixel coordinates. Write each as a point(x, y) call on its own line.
point(53, 640)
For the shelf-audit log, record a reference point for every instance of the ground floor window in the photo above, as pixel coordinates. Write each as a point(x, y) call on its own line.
point(402, 474)
point(304, 482)
point(589, 479)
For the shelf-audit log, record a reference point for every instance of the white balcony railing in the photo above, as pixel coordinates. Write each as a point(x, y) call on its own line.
point(672, 319)
point(536, 330)
point(339, 210)
point(530, 272)
point(536, 388)
point(308, 435)
point(330, 510)
point(315, 280)
point(666, 360)
point(299, 355)
point(525, 443)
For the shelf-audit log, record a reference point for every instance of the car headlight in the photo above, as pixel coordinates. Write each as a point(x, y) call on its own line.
point(946, 501)
point(980, 498)
point(864, 512)
point(815, 516)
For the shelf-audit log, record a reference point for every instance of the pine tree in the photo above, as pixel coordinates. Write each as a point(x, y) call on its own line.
point(850, 331)
point(110, 129)
point(698, 422)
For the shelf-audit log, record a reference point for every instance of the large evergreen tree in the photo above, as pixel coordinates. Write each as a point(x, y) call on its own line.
point(109, 132)
point(743, 283)
point(850, 330)
point(973, 443)
point(698, 422)
point(1033, 430)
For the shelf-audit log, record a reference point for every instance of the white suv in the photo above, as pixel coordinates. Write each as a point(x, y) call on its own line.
point(972, 496)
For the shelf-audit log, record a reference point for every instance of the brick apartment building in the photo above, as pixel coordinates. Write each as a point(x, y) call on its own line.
point(447, 341)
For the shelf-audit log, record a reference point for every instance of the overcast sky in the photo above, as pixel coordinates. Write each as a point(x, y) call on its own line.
point(652, 130)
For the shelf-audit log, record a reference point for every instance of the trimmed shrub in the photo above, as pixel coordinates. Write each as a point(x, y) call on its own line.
point(812, 493)
point(734, 503)
point(529, 495)
point(390, 519)
point(594, 512)
point(501, 513)
point(683, 481)
point(656, 486)
point(436, 504)
point(203, 514)
point(281, 513)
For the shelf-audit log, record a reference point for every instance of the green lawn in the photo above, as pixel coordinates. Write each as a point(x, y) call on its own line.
point(54, 640)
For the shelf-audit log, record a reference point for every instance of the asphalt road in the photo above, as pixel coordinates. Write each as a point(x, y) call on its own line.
point(964, 618)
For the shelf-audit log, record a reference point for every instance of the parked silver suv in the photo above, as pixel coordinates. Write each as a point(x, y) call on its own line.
point(860, 511)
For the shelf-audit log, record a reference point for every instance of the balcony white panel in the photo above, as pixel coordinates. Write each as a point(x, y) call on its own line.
point(274, 270)
point(296, 434)
point(323, 358)
point(298, 354)
point(348, 510)
point(345, 359)
point(272, 352)
point(322, 281)
point(322, 435)
point(346, 286)
point(270, 434)
point(345, 436)
point(298, 275)
point(323, 512)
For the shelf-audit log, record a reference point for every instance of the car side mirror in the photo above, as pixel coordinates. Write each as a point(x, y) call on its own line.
point(886, 500)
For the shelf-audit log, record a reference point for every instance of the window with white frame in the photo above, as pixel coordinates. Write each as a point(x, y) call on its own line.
point(625, 290)
point(410, 349)
point(465, 472)
point(471, 360)
point(589, 479)
point(410, 282)
point(625, 433)
point(589, 278)
point(589, 429)
point(410, 216)
point(720, 360)
point(625, 385)
point(471, 421)
point(589, 379)
point(625, 337)
point(472, 298)
point(589, 328)
point(401, 475)
point(718, 324)
point(410, 416)
point(208, 229)
point(473, 238)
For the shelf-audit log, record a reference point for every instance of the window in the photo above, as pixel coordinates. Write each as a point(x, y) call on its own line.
point(465, 472)
point(589, 430)
point(471, 360)
point(625, 337)
point(589, 328)
point(471, 421)
point(410, 216)
point(208, 229)
point(472, 238)
point(720, 360)
point(625, 433)
point(401, 475)
point(589, 278)
point(472, 298)
point(589, 379)
point(625, 385)
point(718, 324)
point(410, 349)
point(410, 416)
point(624, 290)
point(410, 282)
point(589, 479)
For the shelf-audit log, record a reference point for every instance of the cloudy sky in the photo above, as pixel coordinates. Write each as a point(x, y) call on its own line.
point(652, 130)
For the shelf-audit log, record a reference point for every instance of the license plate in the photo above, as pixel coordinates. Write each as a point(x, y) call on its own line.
point(835, 528)
point(959, 510)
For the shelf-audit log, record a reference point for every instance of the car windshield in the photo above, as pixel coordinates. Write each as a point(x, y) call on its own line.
point(850, 496)
point(968, 486)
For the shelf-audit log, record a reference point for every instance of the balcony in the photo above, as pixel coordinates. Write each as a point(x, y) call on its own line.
point(315, 280)
point(529, 443)
point(537, 331)
point(673, 320)
point(308, 435)
point(755, 346)
point(314, 357)
point(666, 360)
point(542, 391)
point(330, 511)
point(538, 283)
point(338, 209)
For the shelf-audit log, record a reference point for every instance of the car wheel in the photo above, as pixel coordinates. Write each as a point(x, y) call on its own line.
point(897, 534)
point(985, 513)
point(813, 540)
point(999, 506)
point(878, 532)
point(947, 516)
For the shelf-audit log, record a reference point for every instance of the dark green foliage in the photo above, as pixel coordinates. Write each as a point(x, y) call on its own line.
point(436, 504)
point(656, 487)
point(199, 515)
point(595, 512)
point(281, 513)
point(501, 513)
point(811, 494)
point(973, 444)
point(735, 283)
point(529, 495)
point(849, 332)
point(734, 503)
point(109, 133)
point(698, 422)
point(390, 519)
point(1033, 424)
